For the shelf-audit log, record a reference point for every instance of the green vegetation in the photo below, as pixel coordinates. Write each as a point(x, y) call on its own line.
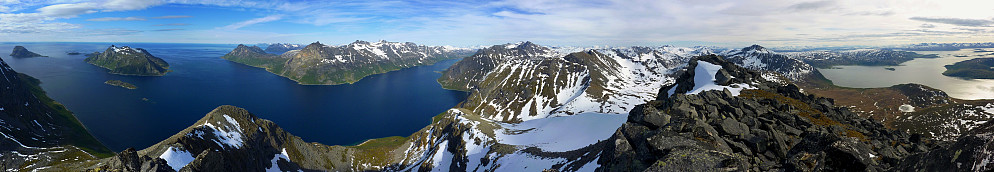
point(77, 134)
point(120, 83)
point(270, 63)
point(979, 68)
point(129, 61)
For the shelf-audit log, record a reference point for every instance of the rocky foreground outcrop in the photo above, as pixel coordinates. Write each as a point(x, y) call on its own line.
point(767, 127)
point(129, 61)
point(21, 52)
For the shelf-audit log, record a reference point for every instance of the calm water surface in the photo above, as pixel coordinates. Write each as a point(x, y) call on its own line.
point(922, 71)
point(393, 104)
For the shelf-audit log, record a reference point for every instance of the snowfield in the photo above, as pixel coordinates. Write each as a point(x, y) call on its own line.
point(560, 134)
point(177, 158)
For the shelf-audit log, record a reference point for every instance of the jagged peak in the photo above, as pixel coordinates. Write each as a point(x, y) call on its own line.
point(234, 112)
point(316, 44)
point(756, 49)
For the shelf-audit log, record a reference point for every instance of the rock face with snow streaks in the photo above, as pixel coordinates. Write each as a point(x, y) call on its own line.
point(524, 81)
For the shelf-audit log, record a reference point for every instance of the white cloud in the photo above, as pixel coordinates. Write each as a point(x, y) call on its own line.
point(126, 5)
point(68, 10)
point(171, 17)
point(253, 21)
point(117, 19)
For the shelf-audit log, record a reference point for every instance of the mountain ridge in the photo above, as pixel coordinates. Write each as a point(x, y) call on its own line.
point(319, 64)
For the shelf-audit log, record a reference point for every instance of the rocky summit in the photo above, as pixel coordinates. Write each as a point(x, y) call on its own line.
point(20, 52)
point(129, 61)
point(716, 124)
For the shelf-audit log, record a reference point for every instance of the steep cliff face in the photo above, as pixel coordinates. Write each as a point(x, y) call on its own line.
point(721, 116)
point(21, 52)
point(37, 131)
point(129, 61)
point(320, 64)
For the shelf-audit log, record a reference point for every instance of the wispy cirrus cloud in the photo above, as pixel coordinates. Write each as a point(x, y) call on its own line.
point(117, 19)
point(957, 21)
point(171, 17)
point(172, 24)
point(253, 21)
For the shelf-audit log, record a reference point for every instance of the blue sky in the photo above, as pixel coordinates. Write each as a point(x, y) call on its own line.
point(473, 23)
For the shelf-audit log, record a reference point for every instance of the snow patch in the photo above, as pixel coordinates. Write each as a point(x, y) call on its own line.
point(560, 134)
point(230, 135)
point(176, 158)
point(906, 108)
point(276, 158)
point(704, 80)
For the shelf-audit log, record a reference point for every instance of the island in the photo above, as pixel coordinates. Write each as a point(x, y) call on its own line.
point(978, 68)
point(128, 61)
point(21, 52)
point(890, 68)
point(120, 83)
point(72, 53)
point(319, 64)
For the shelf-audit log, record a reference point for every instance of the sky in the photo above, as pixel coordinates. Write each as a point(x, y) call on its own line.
point(470, 23)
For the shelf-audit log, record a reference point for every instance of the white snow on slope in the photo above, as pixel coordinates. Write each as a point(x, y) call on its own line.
point(227, 136)
point(704, 80)
point(275, 167)
point(560, 134)
point(176, 157)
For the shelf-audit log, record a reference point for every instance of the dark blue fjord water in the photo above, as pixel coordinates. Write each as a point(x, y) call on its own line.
point(393, 104)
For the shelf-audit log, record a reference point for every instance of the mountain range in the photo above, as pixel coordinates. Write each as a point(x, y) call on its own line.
point(319, 64)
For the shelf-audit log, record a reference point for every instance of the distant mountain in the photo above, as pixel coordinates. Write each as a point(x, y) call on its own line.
point(319, 64)
point(129, 61)
point(283, 47)
point(945, 46)
point(21, 52)
point(864, 57)
point(759, 58)
point(38, 131)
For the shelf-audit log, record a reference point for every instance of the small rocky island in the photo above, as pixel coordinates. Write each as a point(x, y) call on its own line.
point(128, 61)
point(120, 83)
point(978, 68)
point(20, 52)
